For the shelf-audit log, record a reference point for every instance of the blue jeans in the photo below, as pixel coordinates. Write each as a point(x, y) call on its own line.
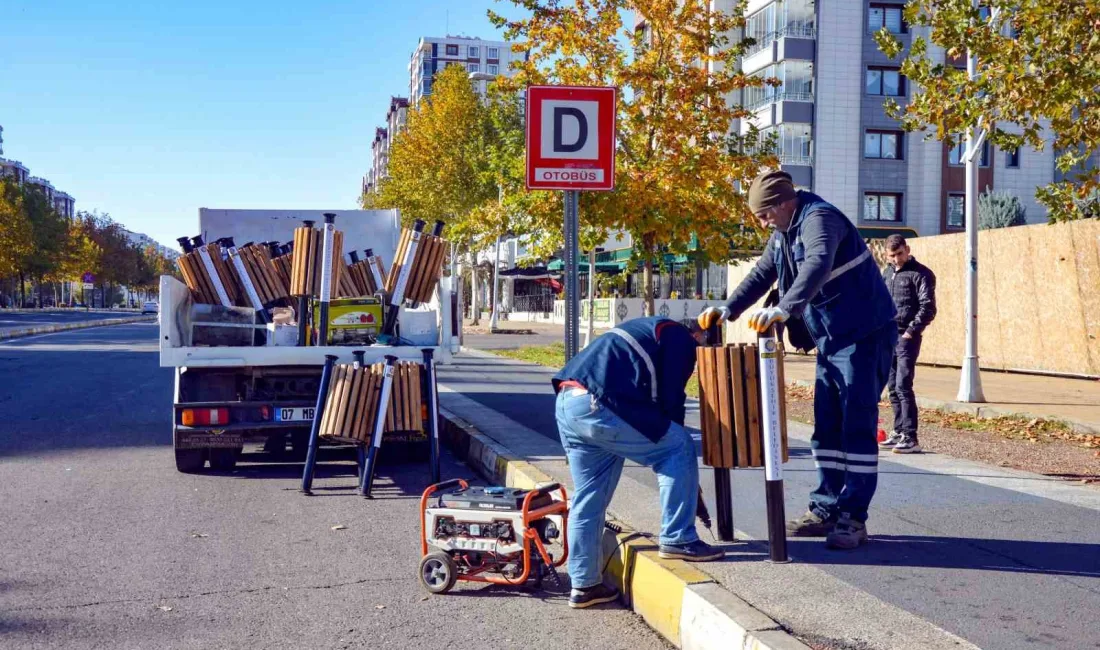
point(596, 443)
point(847, 389)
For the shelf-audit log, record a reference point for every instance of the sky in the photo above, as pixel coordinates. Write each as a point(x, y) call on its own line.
point(150, 110)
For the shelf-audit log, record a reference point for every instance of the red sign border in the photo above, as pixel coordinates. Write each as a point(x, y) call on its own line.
point(569, 92)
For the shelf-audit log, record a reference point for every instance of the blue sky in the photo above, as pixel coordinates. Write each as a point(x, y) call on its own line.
point(150, 110)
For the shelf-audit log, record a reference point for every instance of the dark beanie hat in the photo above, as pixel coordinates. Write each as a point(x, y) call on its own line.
point(769, 190)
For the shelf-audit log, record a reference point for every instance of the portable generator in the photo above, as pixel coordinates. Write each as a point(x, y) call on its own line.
point(490, 534)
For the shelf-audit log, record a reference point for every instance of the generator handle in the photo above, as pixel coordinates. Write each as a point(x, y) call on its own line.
point(547, 489)
point(432, 489)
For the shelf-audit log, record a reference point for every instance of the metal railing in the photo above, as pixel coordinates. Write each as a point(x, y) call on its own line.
point(538, 303)
point(790, 31)
point(783, 95)
point(796, 159)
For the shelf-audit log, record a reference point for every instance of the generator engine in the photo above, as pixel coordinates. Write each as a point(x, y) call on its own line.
point(490, 534)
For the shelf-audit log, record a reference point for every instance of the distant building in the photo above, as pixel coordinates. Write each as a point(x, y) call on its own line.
point(144, 241)
point(14, 169)
point(433, 54)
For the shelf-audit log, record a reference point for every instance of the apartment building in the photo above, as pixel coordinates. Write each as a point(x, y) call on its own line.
point(62, 202)
point(486, 59)
point(831, 128)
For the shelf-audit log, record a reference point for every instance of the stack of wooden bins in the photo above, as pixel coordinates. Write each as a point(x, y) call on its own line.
point(199, 281)
point(263, 274)
point(426, 265)
point(730, 407)
point(351, 405)
point(305, 272)
point(362, 277)
point(282, 267)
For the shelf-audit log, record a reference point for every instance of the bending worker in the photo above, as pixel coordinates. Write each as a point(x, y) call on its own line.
point(623, 398)
point(835, 299)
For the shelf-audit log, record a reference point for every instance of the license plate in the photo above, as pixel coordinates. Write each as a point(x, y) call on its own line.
point(299, 414)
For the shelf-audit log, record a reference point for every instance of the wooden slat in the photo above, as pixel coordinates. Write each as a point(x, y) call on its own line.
point(256, 274)
point(424, 279)
point(330, 400)
point(311, 263)
point(298, 257)
point(398, 258)
point(737, 397)
point(435, 268)
point(752, 399)
point(705, 359)
point(347, 430)
point(367, 427)
point(362, 423)
point(725, 409)
point(202, 278)
point(417, 400)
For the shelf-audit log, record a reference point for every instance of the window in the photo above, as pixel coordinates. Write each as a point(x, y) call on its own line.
point(452, 50)
point(879, 206)
point(956, 210)
point(882, 144)
point(492, 69)
point(761, 28)
point(472, 67)
point(473, 52)
point(887, 82)
point(888, 16)
point(1012, 158)
point(955, 157)
point(494, 53)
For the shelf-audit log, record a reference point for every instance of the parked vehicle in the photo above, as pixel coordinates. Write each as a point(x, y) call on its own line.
point(150, 307)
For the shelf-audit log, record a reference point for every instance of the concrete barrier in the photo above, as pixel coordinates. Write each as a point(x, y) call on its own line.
point(64, 327)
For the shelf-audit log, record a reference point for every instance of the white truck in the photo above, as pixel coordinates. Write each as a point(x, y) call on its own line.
point(228, 396)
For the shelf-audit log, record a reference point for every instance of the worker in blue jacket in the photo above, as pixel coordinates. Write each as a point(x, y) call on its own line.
point(623, 398)
point(832, 297)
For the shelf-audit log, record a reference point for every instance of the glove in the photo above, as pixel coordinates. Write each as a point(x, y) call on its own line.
point(761, 319)
point(711, 316)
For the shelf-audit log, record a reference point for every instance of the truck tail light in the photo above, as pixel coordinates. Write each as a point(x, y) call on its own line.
point(265, 413)
point(204, 417)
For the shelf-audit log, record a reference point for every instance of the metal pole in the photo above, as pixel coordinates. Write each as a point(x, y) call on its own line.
point(591, 297)
point(970, 381)
point(433, 412)
point(723, 488)
point(496, 292)
point(571, 285)
point(379, 427)
point(315, 427)
point(326, 277)
point(773, 444)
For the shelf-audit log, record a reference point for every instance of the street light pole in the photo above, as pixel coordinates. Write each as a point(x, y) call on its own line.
point(970, 381)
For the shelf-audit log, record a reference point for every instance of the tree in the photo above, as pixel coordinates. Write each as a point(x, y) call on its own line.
point(48, 231)
point(1000, 210)
point(16, 240)
point(678, 158)
point(1039, 71)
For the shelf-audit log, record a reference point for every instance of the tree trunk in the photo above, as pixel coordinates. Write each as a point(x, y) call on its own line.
point(647, 286)
point(475, 307)
point(22, 289)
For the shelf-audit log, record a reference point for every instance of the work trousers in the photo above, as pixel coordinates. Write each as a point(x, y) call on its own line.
point(845, 449)
point(900, 385)
point(597, 442)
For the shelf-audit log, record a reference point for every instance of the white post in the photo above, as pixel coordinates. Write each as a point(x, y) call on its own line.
point(496, 292)
point(970, 381)
point(590, 329)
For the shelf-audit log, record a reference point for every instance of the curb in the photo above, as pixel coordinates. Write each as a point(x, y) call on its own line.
point(51, 329)
point(980, 411)
point(686, 606)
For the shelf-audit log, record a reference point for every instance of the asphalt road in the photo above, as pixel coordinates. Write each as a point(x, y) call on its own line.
point(106, 545)
point(1000, 568)
point(18, 320)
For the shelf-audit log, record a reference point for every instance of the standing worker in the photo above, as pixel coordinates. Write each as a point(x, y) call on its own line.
point(623, 398)
point(831, 290)
point(912, 286)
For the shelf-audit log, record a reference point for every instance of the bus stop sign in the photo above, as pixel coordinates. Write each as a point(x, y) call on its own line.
point(571, 138)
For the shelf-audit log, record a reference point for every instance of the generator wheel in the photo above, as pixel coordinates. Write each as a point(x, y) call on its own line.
point(438, 572)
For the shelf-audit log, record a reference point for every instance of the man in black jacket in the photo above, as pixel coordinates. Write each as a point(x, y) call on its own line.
point(913, 287)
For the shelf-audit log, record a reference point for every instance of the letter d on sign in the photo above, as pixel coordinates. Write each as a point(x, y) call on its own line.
point(581, 135)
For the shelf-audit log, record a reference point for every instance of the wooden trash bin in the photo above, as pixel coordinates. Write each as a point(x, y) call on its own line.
point(351, 406)
point(305, 272)
point(417, 266)
point(196, 266)
point(730, 406)
point(263, 274)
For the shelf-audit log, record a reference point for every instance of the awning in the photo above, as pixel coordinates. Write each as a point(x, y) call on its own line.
point(582, 266)
point(528, 273)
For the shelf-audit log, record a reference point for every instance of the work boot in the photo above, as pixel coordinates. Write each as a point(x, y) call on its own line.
point(810, 525)
point(697, 551)
point(908, 445)
point(891, 440)
point(594, 595)
point(847, 534)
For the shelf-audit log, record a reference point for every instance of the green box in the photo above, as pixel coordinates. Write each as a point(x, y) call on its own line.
point(351, 321)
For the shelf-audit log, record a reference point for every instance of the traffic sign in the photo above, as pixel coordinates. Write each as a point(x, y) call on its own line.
point(571, 138)
point(88, 277)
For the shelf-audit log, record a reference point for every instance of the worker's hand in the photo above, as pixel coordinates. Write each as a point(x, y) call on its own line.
point(711, 316)
point(907, 336)
point(761, 319)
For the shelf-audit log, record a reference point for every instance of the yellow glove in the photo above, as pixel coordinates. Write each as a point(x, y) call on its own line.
point(711, 316)
point(761, 319)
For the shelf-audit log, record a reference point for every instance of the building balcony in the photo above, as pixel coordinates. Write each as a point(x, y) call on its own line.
point(780, 96)
point(790, 31)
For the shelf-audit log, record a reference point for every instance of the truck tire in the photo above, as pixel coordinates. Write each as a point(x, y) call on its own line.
point(190, 461)
point(223, 460)
point(299, 445)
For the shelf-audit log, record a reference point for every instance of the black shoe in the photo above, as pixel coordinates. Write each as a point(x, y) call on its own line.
point(848, 534)
point(697, 551)
point(581, 598)
point(810, 525)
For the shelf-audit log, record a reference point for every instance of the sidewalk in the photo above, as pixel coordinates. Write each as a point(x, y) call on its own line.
point(963, 555)
point(1075, 401)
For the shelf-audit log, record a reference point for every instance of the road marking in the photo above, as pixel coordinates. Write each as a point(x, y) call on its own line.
point(75, 330)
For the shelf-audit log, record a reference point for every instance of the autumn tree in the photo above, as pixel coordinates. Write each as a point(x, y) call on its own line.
point(680, 152)
point(16, 240)
point(1038, 74)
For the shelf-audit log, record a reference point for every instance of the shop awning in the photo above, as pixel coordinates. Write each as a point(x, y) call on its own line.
point(529, 273)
